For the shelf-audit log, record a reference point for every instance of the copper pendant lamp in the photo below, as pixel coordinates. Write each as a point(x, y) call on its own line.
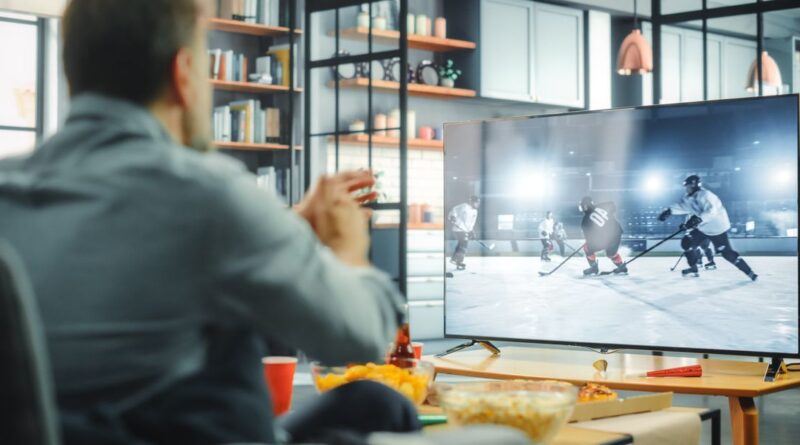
point(635, 54)
point(772, 74)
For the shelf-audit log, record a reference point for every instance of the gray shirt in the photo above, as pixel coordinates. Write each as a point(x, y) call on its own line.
point(135, 245)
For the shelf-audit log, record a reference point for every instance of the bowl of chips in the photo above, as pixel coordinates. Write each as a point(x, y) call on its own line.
point(540, 409)
point(412, 380)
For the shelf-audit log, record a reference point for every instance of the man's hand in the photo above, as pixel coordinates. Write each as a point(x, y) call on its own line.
point(337, 217)
point(693, 222)
point(664, 215)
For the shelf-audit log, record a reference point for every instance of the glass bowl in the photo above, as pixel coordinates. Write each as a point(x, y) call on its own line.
point(540, 409)
point(412, 381)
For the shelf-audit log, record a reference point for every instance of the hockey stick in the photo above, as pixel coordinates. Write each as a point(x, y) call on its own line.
point(609, 272)
point(544, 274)
point(677, 262)
point(490, 246)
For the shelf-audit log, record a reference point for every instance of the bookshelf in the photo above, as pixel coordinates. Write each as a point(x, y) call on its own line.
point(414, 89)
point(282, 155)
point(424, 43)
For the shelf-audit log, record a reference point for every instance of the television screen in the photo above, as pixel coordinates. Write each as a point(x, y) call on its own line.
point(666, 227)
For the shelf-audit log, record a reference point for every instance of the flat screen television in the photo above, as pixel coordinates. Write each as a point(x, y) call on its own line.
point(670, 227)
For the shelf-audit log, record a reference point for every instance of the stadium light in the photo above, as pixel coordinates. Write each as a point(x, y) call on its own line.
point(783, 176)
point(531, 185)
point(653, 183)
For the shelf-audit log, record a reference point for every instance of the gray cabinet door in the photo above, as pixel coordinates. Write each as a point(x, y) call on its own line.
point(506, 49)
point(714, 74)
point(558, 55)
point(692, 67)
point(739, 55)
point(670, 65)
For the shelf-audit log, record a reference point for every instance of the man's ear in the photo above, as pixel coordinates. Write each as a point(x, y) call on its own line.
point(182, 78)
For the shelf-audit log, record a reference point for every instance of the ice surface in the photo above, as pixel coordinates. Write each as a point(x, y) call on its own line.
point(504, 297)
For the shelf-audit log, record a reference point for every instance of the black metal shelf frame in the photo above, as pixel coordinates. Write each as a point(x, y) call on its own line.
point(316, 6)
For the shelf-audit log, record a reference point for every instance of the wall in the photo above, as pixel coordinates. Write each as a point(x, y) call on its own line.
point(37, 7)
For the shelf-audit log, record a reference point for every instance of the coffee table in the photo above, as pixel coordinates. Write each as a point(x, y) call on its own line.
point(739, 381)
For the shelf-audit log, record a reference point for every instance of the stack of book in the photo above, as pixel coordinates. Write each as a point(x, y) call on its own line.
point(227, 65)
point(274, 181)
point(245, 121)
point(265, 12)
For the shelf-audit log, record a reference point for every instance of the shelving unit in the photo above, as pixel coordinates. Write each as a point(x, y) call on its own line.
point(414, 89)
point(253, 29)
point(389, 37)
point(389, 142)
point(252, 40)
point(250, 87)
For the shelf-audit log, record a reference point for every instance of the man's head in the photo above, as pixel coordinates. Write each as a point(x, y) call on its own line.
point(548, 215)
point(474, 201)
point(692, 183)
point(149, 52)
point(586, 205)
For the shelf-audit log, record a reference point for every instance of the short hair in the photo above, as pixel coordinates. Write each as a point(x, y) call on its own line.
point(125, 48)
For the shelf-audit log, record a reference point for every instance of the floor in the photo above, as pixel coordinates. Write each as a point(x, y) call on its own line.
point(779, 413)
point(712, 311)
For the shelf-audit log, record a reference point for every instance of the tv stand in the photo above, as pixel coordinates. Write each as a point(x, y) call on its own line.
point(776, 367)
point(486, 344)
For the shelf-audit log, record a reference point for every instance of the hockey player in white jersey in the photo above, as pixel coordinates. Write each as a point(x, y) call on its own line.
point(709, 219)
point(546, 233)
point(462, 219)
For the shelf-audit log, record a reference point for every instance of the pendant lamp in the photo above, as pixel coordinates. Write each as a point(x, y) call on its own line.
point(772, 74)
point(635, 54)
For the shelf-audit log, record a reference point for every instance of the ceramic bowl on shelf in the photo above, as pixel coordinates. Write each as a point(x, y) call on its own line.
point(412, 381)
point(540, 409)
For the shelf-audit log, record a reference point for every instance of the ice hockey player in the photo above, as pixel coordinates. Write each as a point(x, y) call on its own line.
point(710, 220)
point(602, 232)
point(546, 233)
point(462, 219)
point(560, 236)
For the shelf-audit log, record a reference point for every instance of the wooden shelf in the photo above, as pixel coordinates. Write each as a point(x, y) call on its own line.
point(252, 29)
point(411, 226)
point(425, 43)
point(250, 87)
point(414, 89)
point(390, 142)
point(244, 146)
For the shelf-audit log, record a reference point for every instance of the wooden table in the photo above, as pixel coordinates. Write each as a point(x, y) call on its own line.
point(739, 381)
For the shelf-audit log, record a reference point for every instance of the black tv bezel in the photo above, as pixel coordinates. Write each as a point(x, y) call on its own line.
point(618, 346)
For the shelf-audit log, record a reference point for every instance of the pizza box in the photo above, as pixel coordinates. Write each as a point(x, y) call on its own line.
point(620, 407)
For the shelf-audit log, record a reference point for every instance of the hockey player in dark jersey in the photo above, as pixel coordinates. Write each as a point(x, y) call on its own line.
point(602, 232)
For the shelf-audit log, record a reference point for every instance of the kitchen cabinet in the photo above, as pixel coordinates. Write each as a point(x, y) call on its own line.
point(526, 51)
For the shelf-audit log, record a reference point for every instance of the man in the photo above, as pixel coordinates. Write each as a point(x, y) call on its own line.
point(462, 222)
point(709, 219)
point(560, 236)
point(602, 232)
point(159, 269)
point(546, 227)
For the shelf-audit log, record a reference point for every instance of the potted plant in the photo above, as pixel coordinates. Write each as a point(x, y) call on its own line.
point(448, 74)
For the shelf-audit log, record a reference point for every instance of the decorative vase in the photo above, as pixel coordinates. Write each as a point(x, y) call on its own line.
point(447, 82)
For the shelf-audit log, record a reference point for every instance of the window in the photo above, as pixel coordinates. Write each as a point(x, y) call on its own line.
point(20, 120)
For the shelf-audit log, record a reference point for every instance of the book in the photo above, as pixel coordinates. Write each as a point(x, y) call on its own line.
point(281, 54)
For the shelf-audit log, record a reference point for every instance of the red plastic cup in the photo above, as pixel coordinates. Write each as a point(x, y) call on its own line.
point(279, 374)
point(417, 349)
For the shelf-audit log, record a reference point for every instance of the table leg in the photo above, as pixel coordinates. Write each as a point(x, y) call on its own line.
point(744, 420)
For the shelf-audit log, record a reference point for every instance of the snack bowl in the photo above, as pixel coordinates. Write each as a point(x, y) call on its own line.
point(540, 409)
point(413, 381)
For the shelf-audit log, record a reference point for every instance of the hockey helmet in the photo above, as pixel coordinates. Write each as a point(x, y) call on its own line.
point(693, 180)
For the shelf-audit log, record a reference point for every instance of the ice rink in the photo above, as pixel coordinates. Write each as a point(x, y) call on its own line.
point(504, 297)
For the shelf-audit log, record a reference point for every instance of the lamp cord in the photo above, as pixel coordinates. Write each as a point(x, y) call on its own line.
point(635, 15)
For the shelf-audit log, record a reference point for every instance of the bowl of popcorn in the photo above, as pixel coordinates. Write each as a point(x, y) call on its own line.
point(412, 380)
point(540, 409)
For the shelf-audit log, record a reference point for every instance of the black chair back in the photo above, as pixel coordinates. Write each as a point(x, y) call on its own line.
point(26, 389)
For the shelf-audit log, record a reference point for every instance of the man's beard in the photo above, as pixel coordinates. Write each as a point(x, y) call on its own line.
point(196, 131)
